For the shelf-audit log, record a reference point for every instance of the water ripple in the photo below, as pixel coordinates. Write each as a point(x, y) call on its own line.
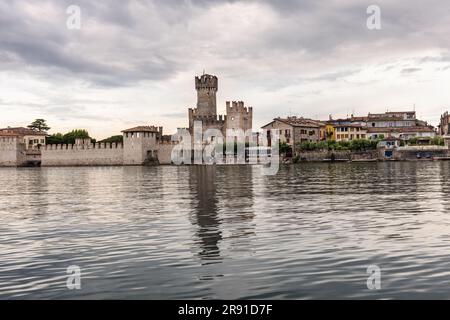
point(226, 232)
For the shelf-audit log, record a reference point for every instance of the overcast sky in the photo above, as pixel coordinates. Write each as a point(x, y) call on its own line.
point(134, 62)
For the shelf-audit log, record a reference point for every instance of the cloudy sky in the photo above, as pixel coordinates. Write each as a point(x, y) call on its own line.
point(133, 62)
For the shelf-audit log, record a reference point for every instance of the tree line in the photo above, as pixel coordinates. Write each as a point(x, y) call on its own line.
point(40, 125)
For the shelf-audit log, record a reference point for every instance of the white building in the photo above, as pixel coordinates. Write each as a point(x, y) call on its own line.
point(32, 139)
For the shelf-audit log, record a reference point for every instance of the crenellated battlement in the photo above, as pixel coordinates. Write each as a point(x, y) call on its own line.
point(211, 120)
point(206, 82)
point(90, 146)
point(238, 107)
point(8, 142)
point(167, 142)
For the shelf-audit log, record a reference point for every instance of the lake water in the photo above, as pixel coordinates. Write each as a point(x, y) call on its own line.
point(226, 232)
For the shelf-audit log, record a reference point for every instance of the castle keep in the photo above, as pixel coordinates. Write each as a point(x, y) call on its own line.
point(237, 115)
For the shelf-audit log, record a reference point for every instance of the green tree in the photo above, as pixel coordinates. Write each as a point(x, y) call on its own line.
point(412, 141)
point(438, 141)
point(113, 139)
point(56, 138)
point(39, 125)
point(330, 145)
point(69, 138)
point(284, 148)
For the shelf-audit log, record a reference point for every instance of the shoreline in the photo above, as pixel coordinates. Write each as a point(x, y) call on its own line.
point(234, 164)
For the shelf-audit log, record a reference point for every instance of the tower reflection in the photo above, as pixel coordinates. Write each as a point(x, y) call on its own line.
point(205, 217)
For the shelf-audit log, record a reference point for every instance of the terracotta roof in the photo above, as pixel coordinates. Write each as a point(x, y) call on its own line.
point(23, 131)
point(374, 119)
point(8, 134)
point(391, 138)
point(400, 129)
point(301, 122)
point(142, 129)
point(398, 112)
point(358, 118)
point(350, 125)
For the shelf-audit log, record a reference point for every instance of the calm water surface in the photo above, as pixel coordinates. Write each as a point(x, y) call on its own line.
point(226, 232)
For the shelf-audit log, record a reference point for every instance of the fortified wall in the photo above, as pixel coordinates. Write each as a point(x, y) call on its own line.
point(12, 152)
point(421, 152)
point(218, 122)
point(82, 154)
point(141, 146)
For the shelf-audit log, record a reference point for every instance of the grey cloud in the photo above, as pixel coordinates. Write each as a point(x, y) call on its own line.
point(410, 70)
point(155, 40)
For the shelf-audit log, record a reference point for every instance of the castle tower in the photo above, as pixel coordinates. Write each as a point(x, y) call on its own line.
point(206, 86)
point(140, 145)
point(239, 116)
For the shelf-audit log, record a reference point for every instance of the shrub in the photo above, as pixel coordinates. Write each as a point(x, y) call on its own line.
point(330, 145)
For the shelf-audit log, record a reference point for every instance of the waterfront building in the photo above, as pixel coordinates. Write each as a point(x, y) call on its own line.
point(345, 129)
point(347, 132)
point(32, 139)
point(294, 130)
point(392, 119)
point(399, 124)
point(404, 133)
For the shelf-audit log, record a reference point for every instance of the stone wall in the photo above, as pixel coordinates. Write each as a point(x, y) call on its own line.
point(165, 152)
point(12, 152)
point(341, 155)
point(421, 152)
point(100, 154)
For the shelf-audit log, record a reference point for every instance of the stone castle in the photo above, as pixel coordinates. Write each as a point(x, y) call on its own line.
point(142, 145)
point(237, 115)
